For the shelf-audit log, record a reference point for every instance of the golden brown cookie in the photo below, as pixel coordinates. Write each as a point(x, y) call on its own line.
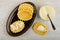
point(40, 28)
point(25, 11)
point(17, 26)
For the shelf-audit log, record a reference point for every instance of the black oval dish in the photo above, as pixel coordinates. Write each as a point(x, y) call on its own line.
point(13, 17)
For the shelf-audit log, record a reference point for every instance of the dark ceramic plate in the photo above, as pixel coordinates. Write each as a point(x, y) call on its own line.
point(13, 17)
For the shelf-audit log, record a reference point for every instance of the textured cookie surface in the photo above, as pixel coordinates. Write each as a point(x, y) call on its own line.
point(40, 28)
point(25, 11)
point(17, 26)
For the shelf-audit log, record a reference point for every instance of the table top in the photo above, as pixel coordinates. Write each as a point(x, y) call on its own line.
point(6, 6)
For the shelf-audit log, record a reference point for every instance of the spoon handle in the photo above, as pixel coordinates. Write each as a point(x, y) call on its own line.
point(51, 22)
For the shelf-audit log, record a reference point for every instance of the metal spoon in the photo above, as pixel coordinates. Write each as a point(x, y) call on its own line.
point(51, 22)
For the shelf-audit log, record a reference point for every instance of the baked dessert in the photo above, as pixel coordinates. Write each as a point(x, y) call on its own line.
point(17, 26)
point(40, 28)
point(13, 19)
point(25, 11)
